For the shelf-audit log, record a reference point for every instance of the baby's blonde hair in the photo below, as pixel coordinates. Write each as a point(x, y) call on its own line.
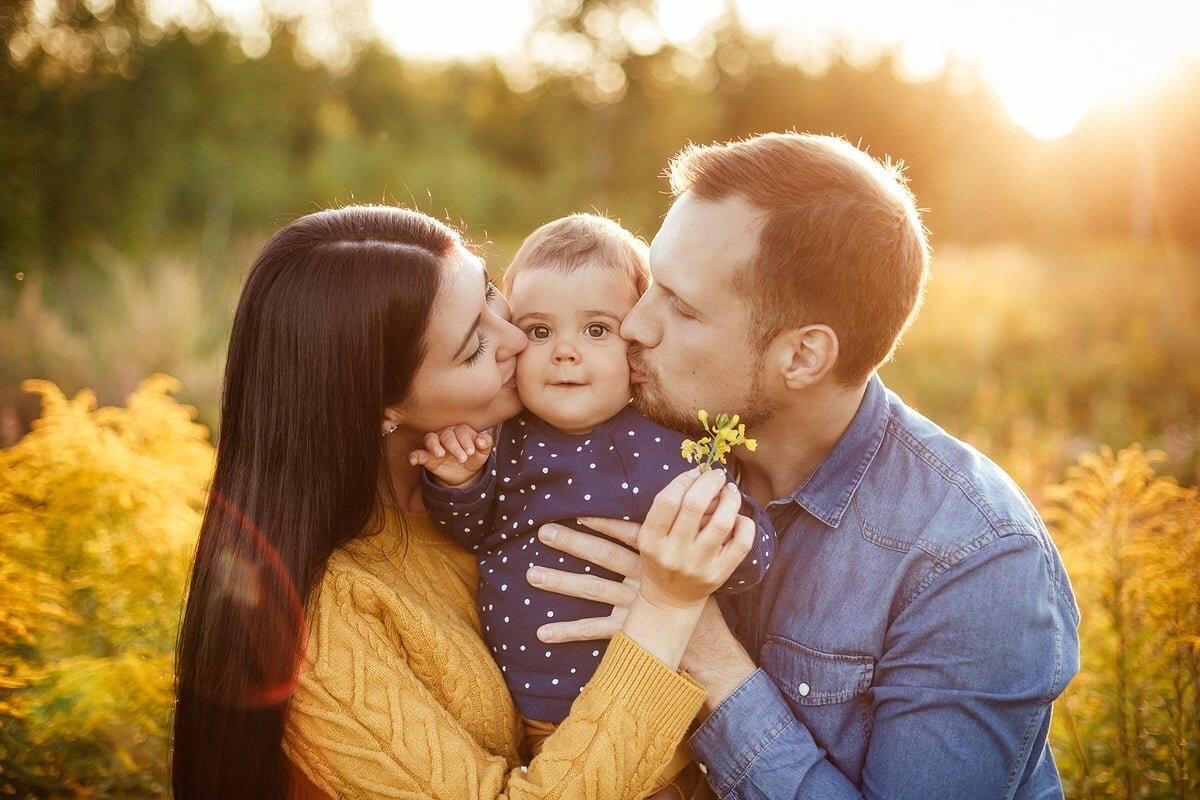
point(580, 240)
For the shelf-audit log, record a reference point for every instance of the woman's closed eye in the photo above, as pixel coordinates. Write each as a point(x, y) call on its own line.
point(484, 343)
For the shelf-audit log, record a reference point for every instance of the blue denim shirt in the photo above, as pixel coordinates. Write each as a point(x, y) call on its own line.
point(911, 636)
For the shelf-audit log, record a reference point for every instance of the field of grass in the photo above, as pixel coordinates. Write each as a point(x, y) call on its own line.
point(1075, 370)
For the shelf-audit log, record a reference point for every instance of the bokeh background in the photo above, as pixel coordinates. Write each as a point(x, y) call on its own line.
point(148, 147)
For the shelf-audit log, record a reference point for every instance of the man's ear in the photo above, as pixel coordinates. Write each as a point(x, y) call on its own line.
point(807, 355)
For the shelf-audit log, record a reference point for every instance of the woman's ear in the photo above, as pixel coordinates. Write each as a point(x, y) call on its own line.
point(807, 355)
point(391, 420)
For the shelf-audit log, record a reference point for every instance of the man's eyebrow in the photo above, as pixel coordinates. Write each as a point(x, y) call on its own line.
point(475, 326)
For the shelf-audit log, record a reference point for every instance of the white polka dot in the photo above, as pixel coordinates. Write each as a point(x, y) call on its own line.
point(506, 619)
point(504, 588)
point(635, 490)
point(549, 613)
point(547, 654)
point(631, 433)
point(526, 601)
point(500, 497)
point(587, 497)
point(658, 438)
point(624, 484)
point(554, 681)
point(595, 652)
point(591, 466)
point(545, 470)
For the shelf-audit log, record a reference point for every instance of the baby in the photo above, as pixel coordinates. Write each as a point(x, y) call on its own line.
point(579, 449)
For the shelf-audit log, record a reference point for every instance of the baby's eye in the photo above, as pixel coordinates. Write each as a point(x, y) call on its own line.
point(538, 333)
point(596, 330)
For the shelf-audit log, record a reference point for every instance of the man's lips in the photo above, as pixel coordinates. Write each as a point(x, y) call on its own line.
point(637, 372)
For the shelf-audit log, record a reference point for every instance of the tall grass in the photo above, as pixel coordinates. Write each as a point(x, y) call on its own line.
point(1037, 357)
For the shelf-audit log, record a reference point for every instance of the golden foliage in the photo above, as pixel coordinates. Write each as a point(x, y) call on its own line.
point(99, 510)
point(1129, 724)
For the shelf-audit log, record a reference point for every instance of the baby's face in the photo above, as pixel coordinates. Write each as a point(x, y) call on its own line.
point(574, 373)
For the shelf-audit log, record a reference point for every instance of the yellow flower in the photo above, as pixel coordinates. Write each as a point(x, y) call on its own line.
point(725, 433)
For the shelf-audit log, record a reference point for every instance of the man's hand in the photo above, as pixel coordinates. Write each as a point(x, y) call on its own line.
point(454, 456)
point(602, 553)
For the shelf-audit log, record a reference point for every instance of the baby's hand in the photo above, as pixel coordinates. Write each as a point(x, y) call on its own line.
point(454, 456)
point(689, 546)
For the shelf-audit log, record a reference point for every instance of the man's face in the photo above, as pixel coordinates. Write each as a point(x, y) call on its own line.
point(692, 342)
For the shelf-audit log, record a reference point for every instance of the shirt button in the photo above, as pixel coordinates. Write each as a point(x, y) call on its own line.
point(703, 767)
point(803, 689)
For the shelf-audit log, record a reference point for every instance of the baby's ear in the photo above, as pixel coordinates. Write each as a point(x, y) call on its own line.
point(805, 356)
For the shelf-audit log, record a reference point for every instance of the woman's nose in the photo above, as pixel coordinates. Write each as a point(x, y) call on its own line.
point(510, 341)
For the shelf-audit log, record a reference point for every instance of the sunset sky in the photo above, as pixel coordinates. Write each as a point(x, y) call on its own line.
point(1048, 60)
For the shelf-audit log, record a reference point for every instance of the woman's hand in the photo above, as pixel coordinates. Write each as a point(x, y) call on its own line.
point(692, 539)
point(690, 546)
point(455, 456)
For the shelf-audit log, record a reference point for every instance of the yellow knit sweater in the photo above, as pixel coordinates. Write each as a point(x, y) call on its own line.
point(398, 695)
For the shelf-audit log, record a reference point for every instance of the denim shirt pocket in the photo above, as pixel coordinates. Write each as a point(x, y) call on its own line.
point(811, 678)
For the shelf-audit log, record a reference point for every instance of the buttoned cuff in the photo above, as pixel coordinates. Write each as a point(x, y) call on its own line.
point(739, 735)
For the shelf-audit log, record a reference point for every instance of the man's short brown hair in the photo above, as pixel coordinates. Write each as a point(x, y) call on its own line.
point(842, 243)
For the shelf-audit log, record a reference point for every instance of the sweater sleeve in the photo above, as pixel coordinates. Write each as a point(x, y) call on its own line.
point(363, 723)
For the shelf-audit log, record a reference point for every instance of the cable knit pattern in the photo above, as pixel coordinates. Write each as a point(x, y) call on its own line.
point(398, 696)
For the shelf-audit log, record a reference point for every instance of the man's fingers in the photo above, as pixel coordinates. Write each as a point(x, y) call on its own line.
point(622, 530)
point(582, 630)
point(591, 548)
point(697, 498)
point(588, 587)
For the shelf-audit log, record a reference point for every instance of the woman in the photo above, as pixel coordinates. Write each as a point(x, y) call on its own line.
point(330, 644)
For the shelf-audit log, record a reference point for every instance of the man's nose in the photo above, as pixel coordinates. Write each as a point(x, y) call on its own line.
point(637, 326)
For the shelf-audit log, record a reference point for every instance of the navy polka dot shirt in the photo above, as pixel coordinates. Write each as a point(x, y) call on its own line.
point(537, 475)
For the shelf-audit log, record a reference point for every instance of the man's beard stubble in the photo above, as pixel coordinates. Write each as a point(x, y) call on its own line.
point(650, 401)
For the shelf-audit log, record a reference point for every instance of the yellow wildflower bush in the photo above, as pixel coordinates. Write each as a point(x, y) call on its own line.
point(1129, 724)
point(99, 511)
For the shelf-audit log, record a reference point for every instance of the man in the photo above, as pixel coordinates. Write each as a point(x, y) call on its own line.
point(917, 623)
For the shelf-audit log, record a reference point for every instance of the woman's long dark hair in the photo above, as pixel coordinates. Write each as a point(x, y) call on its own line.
point(329, 330)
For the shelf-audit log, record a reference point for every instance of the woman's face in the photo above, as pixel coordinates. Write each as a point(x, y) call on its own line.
point(470, 354)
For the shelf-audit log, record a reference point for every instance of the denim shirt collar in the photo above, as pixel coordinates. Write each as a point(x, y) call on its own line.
point(828, 491)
